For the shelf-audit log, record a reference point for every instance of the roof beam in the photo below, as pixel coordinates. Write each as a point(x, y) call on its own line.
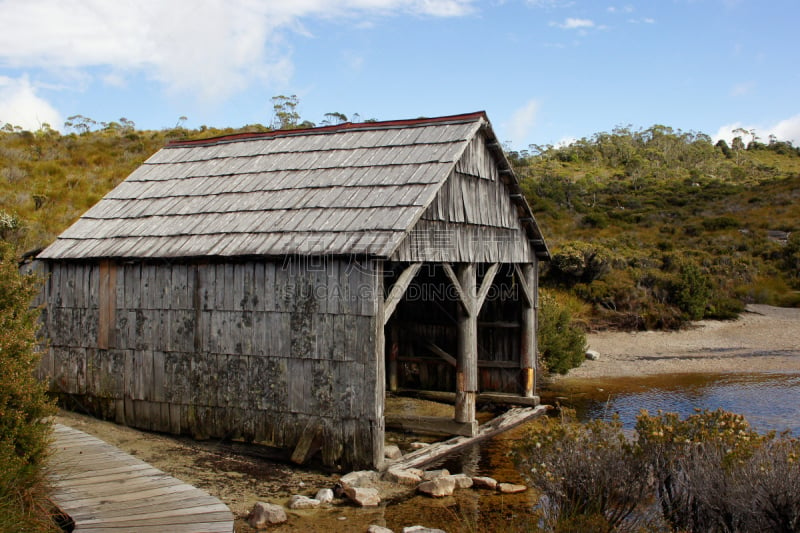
point(398, 290)
point(527, 293)
point(486, 284)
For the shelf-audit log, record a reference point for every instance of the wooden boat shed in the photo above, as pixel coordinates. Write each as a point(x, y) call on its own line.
point(272, 286)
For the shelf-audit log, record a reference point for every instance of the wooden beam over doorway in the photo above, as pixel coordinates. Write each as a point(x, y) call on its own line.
point(398, 290)
point(528, 293)
point(486, 285)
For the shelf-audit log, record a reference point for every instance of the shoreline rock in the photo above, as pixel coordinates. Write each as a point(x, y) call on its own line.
point(266, 514)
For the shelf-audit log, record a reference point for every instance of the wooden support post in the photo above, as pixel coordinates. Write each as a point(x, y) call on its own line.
point(527, 359)
point(467, 359)
point(394, 350)
point(379, 355)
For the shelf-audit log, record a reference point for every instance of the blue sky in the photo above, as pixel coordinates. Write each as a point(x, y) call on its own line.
point(546, 71)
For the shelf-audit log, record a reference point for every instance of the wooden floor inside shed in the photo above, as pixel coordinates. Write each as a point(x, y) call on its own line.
point(102, 488)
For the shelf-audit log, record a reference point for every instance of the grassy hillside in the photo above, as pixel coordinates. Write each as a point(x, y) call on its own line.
point(47, 180)
point(649, 228)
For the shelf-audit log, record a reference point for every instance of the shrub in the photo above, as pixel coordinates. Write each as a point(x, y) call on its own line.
point(23, 403)
point(585, 471)
point(724, 308)
point(562, 343)
point(707, 472)
point(691, 291)
point(595, 220)
point(580, 262)
point(720, 223)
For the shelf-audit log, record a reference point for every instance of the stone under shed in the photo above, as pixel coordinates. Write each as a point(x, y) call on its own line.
point(273, 286)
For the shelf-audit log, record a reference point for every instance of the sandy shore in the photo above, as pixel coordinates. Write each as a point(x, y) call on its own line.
point(763, 339)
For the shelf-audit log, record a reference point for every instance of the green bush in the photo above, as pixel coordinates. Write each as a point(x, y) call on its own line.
point(724, 308)
point(691, 291)
point(24, 431)
point(580, 262)
point(720, 223)
point(595, 220)
point(562, 343)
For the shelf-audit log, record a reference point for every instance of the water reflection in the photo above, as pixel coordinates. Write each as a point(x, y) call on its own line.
point(769, 401)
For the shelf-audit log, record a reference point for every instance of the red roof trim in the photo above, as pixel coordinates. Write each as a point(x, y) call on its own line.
point(467, 117)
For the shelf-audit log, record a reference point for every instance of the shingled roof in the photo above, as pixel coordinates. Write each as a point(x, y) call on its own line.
point(340, 190)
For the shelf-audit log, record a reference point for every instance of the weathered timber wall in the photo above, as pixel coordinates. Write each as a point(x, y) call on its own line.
point(252, 349)
point(472, 218)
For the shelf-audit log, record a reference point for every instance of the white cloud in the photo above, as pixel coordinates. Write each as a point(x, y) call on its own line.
point(550, 4)
point(442, 8)
point(574, 23)
point(210, 49)
point(522, 121)
point(784, 130)
point(20, 105)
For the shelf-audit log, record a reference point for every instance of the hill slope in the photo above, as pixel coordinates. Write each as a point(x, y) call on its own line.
point(649, 228)
point(654, 227)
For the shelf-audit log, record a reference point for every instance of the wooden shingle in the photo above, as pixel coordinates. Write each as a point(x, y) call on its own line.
point(356, 188)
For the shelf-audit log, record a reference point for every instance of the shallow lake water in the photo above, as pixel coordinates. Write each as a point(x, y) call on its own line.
point(769, 401)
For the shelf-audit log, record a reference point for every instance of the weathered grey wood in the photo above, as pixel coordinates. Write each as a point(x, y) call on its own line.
point(486, 285)
point(441, 353)
point(107, 296)
point(484, 398)
point(309, 443)
point(431, 425)
point(528, 293)
point(378, 376)
point(431, 454)
point(398, 290)
point(248, 300)
point(528, 346)
point(467, 357)
point(464, 297)
point(102, 488)
point(394, 352)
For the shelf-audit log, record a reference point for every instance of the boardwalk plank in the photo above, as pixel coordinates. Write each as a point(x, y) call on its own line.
point(104, 489)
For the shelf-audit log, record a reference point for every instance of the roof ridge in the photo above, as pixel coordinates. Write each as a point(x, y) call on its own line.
point(346, 126)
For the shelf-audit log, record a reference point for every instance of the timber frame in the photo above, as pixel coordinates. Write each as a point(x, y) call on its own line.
point(471, 296)
point(272, 287)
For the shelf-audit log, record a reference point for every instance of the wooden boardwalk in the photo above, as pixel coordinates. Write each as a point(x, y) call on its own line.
point(103, 488)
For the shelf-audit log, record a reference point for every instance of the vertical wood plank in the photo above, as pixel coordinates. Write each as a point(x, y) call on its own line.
point(333, 286)
point(229, 288)
point(107, 300)
point(269, 288)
